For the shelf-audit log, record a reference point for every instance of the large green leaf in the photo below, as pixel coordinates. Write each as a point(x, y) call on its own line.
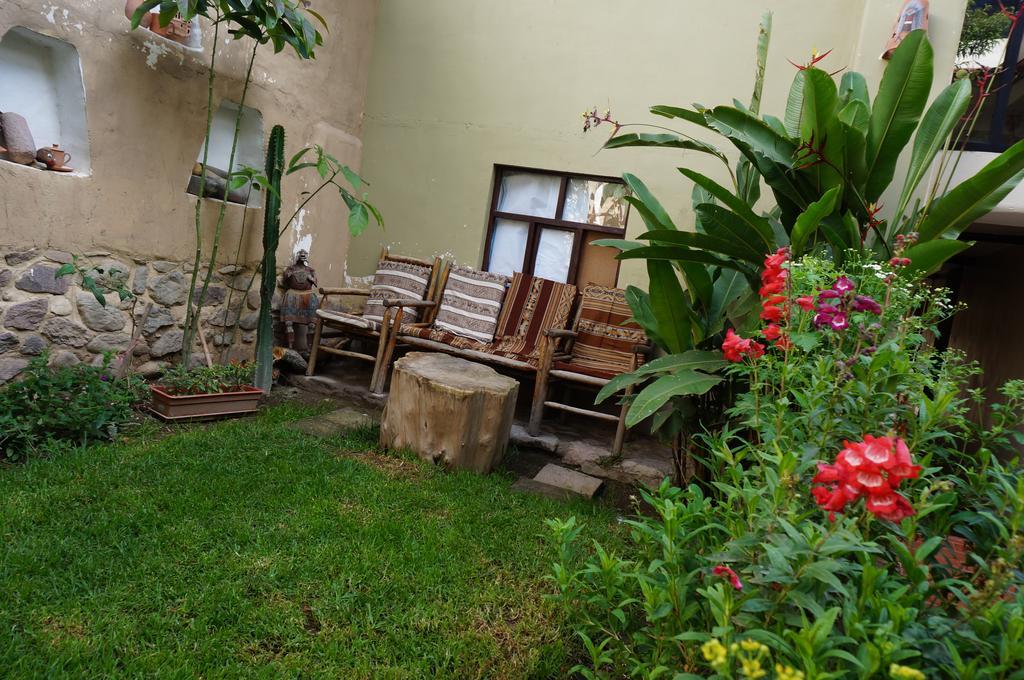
point(975, 197)
point(764, 38)
point(901, 98)
point(854, 88)
point(747, 132)
point(818, 106)
point(698, 282)
point(725, 224)
point(927, 257)
point(795, 105)
point(692, 360)
point(657, 394)
point(729, 287)
point(936, 127)
point(811, 218)
point(621, 244)
point(670, 306)
point(721, 243)
point(681, 254)
point(663, 140)
point(640, 304)
point(689, 115)
point(644, 197)
point(738, 206)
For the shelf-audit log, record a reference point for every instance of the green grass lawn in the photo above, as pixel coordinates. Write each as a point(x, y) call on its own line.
point(250, 549)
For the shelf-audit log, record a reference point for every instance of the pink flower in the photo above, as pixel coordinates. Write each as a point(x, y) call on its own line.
point(843, 285)
point(727, 573)
point(863, 303)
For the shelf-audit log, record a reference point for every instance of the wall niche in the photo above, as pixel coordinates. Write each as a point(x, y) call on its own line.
point(249, 152)
point(41, 80)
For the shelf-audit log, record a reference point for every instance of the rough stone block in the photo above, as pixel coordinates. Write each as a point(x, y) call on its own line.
point(159, 317)
point(139, 280)
point(26, 316)
point(170, 342)
point(63, 357)
point(10, 368)
point(65, 332)
point(59, 256)
point(60, 305)
point(169, 289)
point(523, 439)
point(41, 278)
point(109, 342)
point(8, 341)
point(336, 422)
point(33, 345)
point(97, 317)
point(564, 478)
point(20, 257)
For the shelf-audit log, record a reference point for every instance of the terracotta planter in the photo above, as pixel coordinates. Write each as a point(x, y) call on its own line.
point(196, 406)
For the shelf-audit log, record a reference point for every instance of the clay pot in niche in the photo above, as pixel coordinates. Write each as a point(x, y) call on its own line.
point(54, 158)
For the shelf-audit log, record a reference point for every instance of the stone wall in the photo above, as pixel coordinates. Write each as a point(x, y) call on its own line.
point(40, 311)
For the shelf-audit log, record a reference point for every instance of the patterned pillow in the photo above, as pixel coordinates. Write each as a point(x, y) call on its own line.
point(471, 303)
point(394, 281)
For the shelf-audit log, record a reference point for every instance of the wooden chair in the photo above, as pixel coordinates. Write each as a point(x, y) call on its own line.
point(603, 344)
point(383, 330)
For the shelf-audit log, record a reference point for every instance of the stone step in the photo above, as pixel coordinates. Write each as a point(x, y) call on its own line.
point(527, 485)
point(571, 480)
point(336, 422)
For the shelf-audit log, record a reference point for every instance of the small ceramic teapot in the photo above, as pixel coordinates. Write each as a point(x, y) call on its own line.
point(54, 158)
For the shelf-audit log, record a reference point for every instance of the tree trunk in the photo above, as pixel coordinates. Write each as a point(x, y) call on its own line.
point(450, 411)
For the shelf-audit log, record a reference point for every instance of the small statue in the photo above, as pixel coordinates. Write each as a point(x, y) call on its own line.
point(298, 308)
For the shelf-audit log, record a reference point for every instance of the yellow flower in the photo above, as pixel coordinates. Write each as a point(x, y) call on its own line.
point(751, 668)
point(905, 672)
point(787, 673)
point(714, 652)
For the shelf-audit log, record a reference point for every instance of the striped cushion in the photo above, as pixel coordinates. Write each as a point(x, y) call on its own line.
point(605, 335)
point(471, 303)
point(532, 306)
point(395, 281)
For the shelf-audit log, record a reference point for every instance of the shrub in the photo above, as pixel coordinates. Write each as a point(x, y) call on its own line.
point(180, 380)
point(66, 405)
point(856, 522)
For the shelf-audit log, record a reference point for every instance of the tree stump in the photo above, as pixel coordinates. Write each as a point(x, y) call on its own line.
point(450, 411)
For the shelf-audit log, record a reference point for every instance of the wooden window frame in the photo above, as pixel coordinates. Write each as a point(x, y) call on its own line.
point(536, 224)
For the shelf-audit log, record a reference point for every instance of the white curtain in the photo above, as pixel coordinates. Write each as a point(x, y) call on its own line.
point(529, 194)
point(508, 247)
point(554, 253)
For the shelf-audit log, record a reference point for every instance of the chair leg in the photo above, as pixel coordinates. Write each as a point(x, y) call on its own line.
point(620, 429)
point(376, 386)
point(311, 366)
point(385, 361)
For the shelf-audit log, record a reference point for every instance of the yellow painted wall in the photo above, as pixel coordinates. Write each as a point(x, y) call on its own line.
point(457, 86)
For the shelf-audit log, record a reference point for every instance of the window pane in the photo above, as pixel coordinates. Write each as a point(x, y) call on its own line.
point(508, 247)
point(554, 253)
point(595, 202)
point(525, 193)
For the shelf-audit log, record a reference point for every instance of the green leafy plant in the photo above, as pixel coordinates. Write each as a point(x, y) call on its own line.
point(48, 408)
point(856, 521)
point(281, 23)
point(332, 173)
point(984, 26)
point(180, 380)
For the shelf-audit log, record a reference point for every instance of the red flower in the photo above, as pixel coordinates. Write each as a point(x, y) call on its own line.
point(806, 303)
point(773, 332)
point(784, 343)
point(872, 468)
point(735, 347)
point(727, 573)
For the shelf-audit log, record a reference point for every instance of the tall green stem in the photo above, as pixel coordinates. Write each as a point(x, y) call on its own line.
point(186, 353)
point(191, 329)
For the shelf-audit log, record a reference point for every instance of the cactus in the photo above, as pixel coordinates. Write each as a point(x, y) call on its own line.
point(268, 276)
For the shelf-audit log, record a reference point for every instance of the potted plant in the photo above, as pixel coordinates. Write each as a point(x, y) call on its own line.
point(205, 392)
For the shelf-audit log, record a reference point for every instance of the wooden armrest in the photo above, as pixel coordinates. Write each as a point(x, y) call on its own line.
point(409, 303)
point(344, 291)
point(560, 333)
